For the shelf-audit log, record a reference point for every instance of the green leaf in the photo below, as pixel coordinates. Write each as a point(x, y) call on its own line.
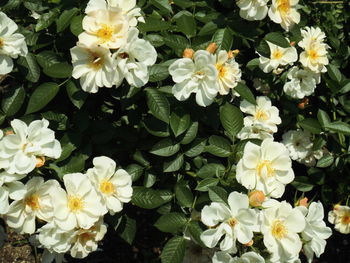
point(13, 100)
point(278, 39)
point(311, 125)
point(29, 67)
point(59, 70)
point(204, 185)
point(196, 147)
point(158, 73)
point(127, 229)
point(156, 127)
point(173, 164)
point(302, 183)
point(174, 250)
point(176, 43)
point(41, 96)
point(46, 19)
point(165, 147)
point(338, 126)
point(135, 171)
point(245, 93)
point(158, 104)
point(334, 73)
point(223, 39)
point(190, 134)
point(218, 146)
point(325, 161)
point(183, 194)
point(195, 232)
point(75, 94)
point(171, 223)
point(263, 49)
point(162, 4)
point(76, 26)
point(148, 198)
point(211, 170)
point(65, 19)
point(345, 88)
point(186, 23)
point(218, 194)
point(179, 122)
point(47, 58)
point(323, 117)
point(74, 164)
point(153, 24)
point(231, 119)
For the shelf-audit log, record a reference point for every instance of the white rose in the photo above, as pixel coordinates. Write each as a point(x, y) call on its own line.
point(284, 12)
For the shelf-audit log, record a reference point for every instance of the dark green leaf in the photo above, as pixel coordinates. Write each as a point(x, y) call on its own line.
point(183, 194)
point(231, 119)
point(41, 96)
point(245, 93)
point(218, 146)
point(179, 122)
point(223, 39)
point(218, 194)
point(13, 100)
point(59, 70)
point(186, 23)
point(174, 250)
point(338, 126)
point(29, 67)
point(65, 19)
point(158, 104)
point(204, 185)
point(278, 39)
point(174, 163)
point(171, 223)
point(190, 134)
point(311, 125)
point(165, 147)
point(148, 198)
point(76, 95)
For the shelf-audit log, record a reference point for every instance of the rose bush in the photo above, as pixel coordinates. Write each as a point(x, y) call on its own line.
point(103, 143)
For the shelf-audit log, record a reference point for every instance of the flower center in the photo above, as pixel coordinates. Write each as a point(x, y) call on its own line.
point(24, 146)
point(32, 201)
point(199, 75)
point(265, 167)
point(313, 55)
point(222, 70)
point(283, 6)
point(107, 187)
point(75, 203)
point(345, 219)
point(278, 229)
point(1, 42)
point(277, 54)
point(105, 33)
point(261, 115)
point(96, 61)
point(232, 222)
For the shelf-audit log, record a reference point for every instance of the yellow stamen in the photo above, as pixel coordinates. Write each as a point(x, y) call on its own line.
point(261, 115)
point(105, 33)
point(345, 219)
point(75, 203)
point(107, 187)
point(312, 54)
point(2, 43)
point(278, 229)
point(32, 201)
point(222, 70)
point(96, 61)
point(277, 54)
point(283, 6)
point(40, 161)
point(265, 164)
point(232, 222)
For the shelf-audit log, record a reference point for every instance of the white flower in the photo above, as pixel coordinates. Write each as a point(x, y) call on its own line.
point(235, 221)
point(26, 144)
point(54, 239)
point(284, 12)
point(48, 257)
point(12, 44)
point(113, 185)
point(94, 66)
point(134, 58)
point(128, 8)
point(249, 257)
point(311, 35)
point(314, 57)
point(280, 225)
point(195, 76)
point(9, 189)
point(267, 168)
point(85, 240)
point(278, 57)
point(315, 231)
point(298, 144)
point(301, 83)
point(263, 114)
point(254, 132)
point(340, 217)
point(80, 207)
point(35, 203)
point(107, 28)
point(312, 157)
point(253, 9)
point(229, 73)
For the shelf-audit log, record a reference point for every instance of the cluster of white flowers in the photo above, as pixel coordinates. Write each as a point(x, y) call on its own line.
point(12, 44)
point(263, 120)
point(206, 73)
point(286, 230)
point(283, 12)
point(300, 147)
point(73, 215)
point(302, 81)
point(110, 49)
